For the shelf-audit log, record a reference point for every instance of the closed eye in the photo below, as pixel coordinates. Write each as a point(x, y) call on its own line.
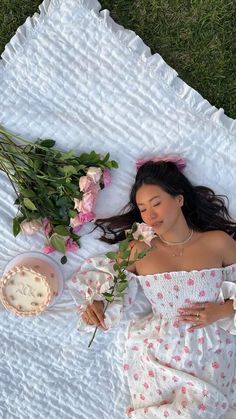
point(156, 205)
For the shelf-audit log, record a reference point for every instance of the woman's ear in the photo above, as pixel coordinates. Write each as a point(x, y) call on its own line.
point(180, 200)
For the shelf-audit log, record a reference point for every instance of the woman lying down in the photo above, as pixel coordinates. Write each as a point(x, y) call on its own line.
point(180, 359)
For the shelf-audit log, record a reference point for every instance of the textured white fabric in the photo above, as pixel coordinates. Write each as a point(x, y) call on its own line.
point(72, 74)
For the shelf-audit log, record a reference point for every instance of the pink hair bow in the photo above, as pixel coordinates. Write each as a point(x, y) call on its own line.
point(180, 162)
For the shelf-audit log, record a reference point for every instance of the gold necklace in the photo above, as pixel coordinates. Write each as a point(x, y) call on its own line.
point(178, 243)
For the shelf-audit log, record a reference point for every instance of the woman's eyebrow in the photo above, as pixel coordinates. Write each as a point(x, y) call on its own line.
point(154, 197)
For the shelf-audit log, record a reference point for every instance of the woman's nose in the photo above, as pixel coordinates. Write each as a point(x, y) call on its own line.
point(152, 215)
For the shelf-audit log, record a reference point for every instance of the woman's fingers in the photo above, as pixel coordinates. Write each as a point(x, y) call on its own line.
point(85, 318)
point(98, 309)
point(92, 315)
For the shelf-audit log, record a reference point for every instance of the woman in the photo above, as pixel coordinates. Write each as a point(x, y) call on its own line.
point(180, 359)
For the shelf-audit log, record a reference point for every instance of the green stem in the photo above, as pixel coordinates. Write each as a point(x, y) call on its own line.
point(95, 331)
point(6, 172)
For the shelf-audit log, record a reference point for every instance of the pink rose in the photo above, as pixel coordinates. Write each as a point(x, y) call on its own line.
point(81, 219)
point(71, 246)
point(106, 177)
point(94, 173)
point(85, 183)
point(48, 249)
point(47, 226)
point(30, 227)
point(87, 203)
point(144, 233)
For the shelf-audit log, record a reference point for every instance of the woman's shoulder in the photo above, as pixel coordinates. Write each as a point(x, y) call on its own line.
point(218, 237)
point(223, 244)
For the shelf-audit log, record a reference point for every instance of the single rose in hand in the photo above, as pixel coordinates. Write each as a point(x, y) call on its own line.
point(144, 233)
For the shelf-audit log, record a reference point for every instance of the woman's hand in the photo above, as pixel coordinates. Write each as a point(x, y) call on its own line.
point(94, 314)
point(203, 314)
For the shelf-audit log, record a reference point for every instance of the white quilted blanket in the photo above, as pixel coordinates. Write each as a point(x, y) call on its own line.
point(74, 75)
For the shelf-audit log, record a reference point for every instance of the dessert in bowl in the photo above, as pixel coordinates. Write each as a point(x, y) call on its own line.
point(24, 291)
point(31, 282)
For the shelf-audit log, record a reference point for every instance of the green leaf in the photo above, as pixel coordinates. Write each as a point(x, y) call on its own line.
point(114, 164)
point(122, 286)
point(27, 193)
point(63, 260)
point(68, 170)
point(134, 227)
point(72, 213)
point(106, 158)
point(125, 254)
point(58, 243)
point(123, 264)
point(61, 230)
point(47, 143)
point(64, 201)
point(124, 245)
point(29, 204)
point(107, 296)
point(116, 267)
point(15, 226)
point(37, 165)
point(75, 237)
point(67, 155)
point(111, 255)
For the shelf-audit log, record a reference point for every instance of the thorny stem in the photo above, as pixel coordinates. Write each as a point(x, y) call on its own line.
point(113, 290)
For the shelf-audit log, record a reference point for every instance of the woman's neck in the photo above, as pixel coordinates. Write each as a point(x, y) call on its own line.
point(178, 233)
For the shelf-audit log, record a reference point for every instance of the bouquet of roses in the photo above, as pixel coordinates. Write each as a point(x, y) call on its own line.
point(122, 259)
point(56, 191)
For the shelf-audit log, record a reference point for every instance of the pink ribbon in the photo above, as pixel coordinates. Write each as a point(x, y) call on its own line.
point(180, 162)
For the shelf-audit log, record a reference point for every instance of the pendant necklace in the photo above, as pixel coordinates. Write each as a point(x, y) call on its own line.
point(190, 235)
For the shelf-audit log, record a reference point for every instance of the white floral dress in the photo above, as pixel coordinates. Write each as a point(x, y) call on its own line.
point(171, 372)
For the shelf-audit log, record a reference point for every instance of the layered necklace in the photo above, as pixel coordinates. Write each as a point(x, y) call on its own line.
point(188, 238)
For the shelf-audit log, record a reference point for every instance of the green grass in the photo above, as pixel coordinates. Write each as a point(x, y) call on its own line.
point(196, 37)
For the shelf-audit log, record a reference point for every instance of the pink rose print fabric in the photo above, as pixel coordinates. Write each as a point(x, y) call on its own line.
point(171, 372)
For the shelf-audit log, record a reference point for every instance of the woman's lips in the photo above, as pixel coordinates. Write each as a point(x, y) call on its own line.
point(157, 224)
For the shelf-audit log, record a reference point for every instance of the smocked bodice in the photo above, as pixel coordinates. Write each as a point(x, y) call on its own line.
point(169, 291)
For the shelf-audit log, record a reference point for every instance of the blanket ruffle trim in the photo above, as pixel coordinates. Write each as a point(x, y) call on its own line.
point(155, 64)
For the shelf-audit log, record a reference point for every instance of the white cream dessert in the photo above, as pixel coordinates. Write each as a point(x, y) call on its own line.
point(24, 291)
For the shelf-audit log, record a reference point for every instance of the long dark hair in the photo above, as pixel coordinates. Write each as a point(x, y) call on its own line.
point(202, 208)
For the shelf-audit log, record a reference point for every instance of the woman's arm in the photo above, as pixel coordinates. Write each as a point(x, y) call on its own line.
point(227, 309)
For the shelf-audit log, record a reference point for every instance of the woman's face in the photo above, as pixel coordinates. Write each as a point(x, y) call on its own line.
point(158, 209)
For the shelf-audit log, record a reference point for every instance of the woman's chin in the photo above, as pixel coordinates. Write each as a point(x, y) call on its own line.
point(158, 227)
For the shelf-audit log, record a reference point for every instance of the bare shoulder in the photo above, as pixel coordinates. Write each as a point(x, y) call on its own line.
point(220, 238)
point(225, 245)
